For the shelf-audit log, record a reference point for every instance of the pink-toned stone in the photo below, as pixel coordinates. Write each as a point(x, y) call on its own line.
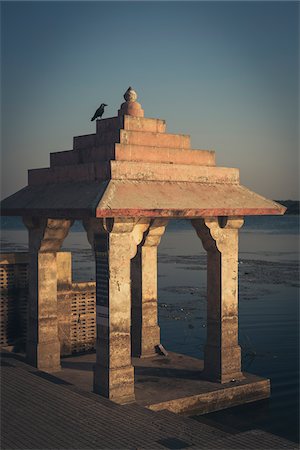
point(130, 123)
point(164, 154)
point(144, 124)
point(128, 170)
point(181, 199)
point(131, 109)
point(128, 152)
point(155, 139)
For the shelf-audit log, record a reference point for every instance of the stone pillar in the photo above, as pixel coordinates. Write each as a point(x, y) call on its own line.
point(114, 245)
point(145, 329)
point(45, 239)
point(222, 354)
point(64, 301)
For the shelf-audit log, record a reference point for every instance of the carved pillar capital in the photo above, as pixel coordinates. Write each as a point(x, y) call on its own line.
point(214, 231)
point(156, 230)
point(138, 234)
point(46, 235)
point(135, 229)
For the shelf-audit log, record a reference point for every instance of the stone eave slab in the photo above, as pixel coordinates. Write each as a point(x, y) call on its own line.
point(182, 199)
point(129, 198)
point(59, 200)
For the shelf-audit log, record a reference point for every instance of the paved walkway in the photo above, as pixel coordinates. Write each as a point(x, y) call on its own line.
point(39, 411)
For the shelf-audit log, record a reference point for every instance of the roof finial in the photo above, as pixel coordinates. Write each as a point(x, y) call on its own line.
point(131, 107)
point(130, 95)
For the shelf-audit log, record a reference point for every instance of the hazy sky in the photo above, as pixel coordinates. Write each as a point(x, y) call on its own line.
point(224, 72)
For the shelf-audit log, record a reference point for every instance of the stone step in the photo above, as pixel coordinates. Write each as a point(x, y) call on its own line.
point(128, 170)
point(87, 140)
point(155, 139)
point(62, 174)
point(128, 152)
point(145, 138)
point(130, 123)
point(132, 170)
point(64, 158)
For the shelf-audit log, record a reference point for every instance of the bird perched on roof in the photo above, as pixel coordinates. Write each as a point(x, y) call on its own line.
point(99, 112)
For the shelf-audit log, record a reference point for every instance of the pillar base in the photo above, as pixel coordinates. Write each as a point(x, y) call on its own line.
point(222, 379)
point(115, 384)
point(222, 364)
point(144, 347)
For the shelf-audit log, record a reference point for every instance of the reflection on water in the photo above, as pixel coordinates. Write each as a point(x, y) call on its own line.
point(268, 309)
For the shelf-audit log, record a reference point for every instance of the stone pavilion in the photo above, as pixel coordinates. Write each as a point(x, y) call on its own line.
point(125, 182)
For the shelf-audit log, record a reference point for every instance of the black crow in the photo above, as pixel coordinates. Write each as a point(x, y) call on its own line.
point(99, 112)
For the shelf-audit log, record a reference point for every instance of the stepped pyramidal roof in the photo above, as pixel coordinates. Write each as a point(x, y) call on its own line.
point(132, 167)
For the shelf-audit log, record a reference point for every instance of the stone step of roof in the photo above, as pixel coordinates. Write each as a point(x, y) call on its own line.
point(132, 170)
point(169, 155)
point(145, 138)
point(152, 139)
point(129, 152)
point(130, 123)
point(64, 158)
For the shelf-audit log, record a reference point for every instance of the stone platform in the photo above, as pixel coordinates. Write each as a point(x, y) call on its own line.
point(172, 383)
point(41, 411)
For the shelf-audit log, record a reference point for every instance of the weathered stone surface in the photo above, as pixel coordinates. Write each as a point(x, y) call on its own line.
point(181, 199)
point(131, 123)
point(147, 153)
point(64, 316)
point(145, 329)
point(114, 246)
point(155, 139)
point(45, 239)
point(132, 170)
point(64, 158)
point(64, 270)
point(222, 355)
point(181, 387)
point(128, 152)
point(129, 170)
point(144, 124)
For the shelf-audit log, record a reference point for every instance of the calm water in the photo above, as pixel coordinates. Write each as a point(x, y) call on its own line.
point(268, 308)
